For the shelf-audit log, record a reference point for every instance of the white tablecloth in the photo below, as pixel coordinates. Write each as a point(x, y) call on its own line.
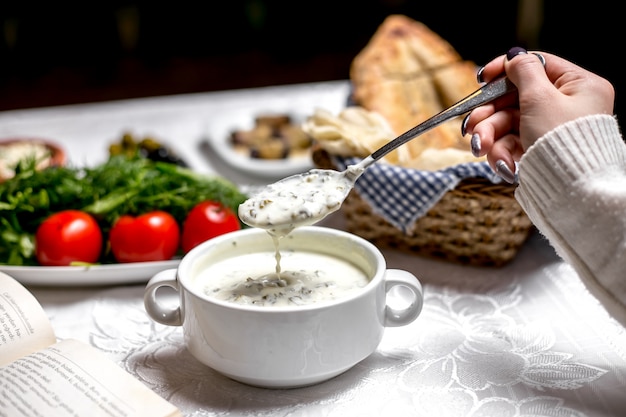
point(523, 340)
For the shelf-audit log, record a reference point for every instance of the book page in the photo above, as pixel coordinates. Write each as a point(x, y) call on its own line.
point(73, 379)
point(24, 325)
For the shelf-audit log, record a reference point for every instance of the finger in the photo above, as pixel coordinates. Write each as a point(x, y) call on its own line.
point(507, 149)
point(556, 67)
point(502, 156)
point(570, 80)
point(491, 70)
point(489, 130)
point(484, 111)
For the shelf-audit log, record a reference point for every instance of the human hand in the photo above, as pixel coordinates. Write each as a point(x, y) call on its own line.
point(547, 97)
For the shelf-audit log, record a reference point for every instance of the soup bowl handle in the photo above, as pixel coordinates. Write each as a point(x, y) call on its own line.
point(155, 309)
point(403, 288)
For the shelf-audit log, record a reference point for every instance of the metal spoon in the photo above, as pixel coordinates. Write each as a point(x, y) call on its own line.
point(305, 199)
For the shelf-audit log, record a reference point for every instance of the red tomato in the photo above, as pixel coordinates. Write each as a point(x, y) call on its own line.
point(68, 236)
point(152, 236)
point(205, 221)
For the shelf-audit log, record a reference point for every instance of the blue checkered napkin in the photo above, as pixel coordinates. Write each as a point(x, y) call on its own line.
point(401, 195)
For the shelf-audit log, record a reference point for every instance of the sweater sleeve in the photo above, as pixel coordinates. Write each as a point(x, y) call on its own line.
point(572, 185)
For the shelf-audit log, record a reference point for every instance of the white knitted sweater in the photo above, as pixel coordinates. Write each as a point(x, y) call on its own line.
point(572, 185)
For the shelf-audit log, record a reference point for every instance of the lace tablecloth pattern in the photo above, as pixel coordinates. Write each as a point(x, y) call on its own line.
point(524, 340)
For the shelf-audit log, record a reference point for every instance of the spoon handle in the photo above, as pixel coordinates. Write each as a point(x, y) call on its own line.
point(485, 94)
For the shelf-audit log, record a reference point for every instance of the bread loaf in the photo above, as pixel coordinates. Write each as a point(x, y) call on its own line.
point(408, 73)
point(404, 75)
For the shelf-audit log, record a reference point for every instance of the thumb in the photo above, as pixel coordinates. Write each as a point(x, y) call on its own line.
point(538, 97)
point(527, 71)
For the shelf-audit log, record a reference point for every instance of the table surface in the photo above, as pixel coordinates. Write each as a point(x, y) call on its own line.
point(525, 339)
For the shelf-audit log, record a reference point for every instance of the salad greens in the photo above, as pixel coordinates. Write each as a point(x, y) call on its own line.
point(122, 185)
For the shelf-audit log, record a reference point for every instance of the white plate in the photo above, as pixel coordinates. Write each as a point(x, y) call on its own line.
point(219, 130)
point(110, 274)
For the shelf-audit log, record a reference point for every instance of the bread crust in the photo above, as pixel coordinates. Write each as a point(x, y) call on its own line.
point(408, 73)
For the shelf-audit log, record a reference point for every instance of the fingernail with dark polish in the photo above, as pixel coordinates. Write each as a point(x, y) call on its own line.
point(475, 145)
point(464, 124)
point(515, 51)
point(504, 171)
point(541, 58)
point(479, 75)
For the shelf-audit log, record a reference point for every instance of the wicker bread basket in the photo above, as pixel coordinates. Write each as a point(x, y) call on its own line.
point(477, 223)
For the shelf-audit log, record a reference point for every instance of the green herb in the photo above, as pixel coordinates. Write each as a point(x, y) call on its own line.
point(121, 185)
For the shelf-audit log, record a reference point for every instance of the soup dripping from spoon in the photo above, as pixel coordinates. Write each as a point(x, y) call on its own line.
point(307, 198)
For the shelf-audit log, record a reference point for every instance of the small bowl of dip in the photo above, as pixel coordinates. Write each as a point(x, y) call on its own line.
point(46, 153)
point(284, 315)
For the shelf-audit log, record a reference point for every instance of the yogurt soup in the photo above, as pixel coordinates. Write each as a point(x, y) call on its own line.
point(298, 200)
point(306, 278)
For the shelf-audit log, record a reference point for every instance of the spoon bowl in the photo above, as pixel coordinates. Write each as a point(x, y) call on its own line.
point(300, 199)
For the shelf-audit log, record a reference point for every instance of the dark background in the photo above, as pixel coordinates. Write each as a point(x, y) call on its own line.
point(56, 54)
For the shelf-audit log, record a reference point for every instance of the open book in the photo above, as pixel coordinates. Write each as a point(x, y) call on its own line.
point(42, 377)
